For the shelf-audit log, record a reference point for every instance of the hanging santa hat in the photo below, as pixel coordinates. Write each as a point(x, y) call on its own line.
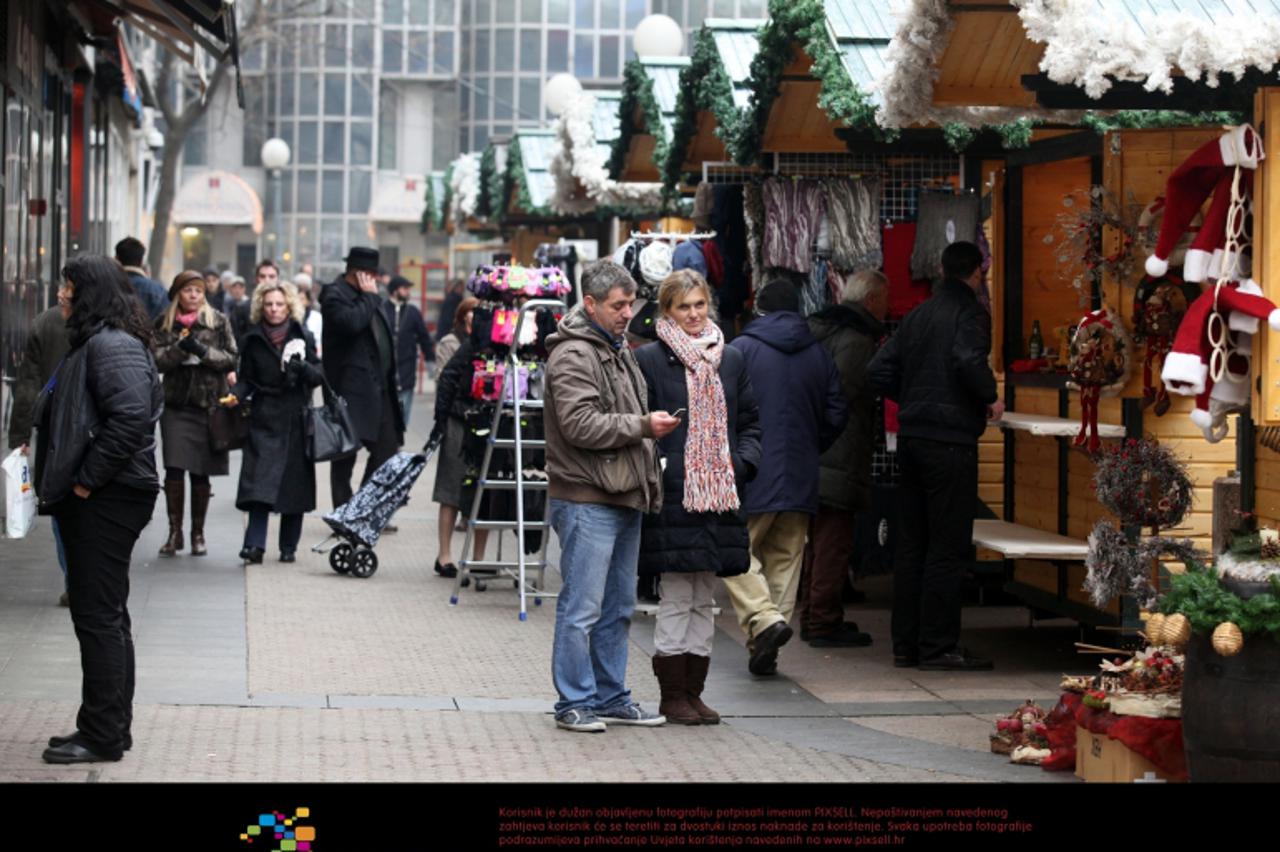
point(1207, 256)
point(1196, 365)
point(1199, 176)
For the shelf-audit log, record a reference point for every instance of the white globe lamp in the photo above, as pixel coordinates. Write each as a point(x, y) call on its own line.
point(658, 35)
point(560, 91)
point(275, 153)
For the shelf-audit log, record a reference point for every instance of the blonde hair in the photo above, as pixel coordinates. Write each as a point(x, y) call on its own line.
point(207, 316)
point(679, 283)
point(860, 285)
point(291, 300)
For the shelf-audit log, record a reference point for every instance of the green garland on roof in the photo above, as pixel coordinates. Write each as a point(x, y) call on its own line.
point(492, 196)
point(704, 86)
point(1152, 119)
point(516, 178)
point(427, 219)
point(637, 92)
point(446, 204)
point(802, 21)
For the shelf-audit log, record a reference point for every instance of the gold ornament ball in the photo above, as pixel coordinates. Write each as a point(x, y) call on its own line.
point(1177, 630)
point(1155, 628)
point(1227, 639)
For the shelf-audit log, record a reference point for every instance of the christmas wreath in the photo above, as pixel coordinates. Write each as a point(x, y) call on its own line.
point(1143, 483)
point(1080, 239)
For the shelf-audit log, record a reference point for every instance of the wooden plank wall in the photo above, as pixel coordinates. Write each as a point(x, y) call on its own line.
point(1047, 294)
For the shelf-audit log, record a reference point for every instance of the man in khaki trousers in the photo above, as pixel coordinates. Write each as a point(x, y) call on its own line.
point(802, 412)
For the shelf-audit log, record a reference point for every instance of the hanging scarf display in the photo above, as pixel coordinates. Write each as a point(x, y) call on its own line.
point(943, 219)
point(753, 214)
point(1159, 304)
point(853, 211)
point(709, 484)
point(792, 209)
point(816, 294)
point(1100, 359)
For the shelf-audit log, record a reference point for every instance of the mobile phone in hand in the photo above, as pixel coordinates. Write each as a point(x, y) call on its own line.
point(680, 413)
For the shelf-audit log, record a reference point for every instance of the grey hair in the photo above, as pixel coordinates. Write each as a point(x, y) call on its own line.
point(859, 285)
point(601, 277)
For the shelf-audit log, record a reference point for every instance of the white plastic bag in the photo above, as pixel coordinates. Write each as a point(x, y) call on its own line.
point(19, 496)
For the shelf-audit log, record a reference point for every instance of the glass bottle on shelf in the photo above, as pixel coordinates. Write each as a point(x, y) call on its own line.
point(1035, 345)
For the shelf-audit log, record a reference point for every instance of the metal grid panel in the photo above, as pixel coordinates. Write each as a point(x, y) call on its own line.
point(902, 178)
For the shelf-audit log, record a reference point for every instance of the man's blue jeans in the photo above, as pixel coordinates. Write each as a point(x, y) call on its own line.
point(599, 546)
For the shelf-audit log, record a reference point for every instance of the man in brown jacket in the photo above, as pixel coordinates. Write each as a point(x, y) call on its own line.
point(603, 469)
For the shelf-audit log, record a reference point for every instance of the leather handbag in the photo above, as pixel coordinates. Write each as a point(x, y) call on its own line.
point(228, 427)
point(330, 432)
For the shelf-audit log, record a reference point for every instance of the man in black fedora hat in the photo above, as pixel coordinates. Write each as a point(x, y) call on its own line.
point(359, 360)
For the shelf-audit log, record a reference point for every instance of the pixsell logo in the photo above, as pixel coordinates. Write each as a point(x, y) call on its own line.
point(277, 832)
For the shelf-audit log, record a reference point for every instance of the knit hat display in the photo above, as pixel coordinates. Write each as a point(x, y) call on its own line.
point(688, 255)
point(1208, 171)
point(655, 262)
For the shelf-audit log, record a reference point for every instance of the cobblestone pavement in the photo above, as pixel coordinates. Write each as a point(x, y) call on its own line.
point(292, 672)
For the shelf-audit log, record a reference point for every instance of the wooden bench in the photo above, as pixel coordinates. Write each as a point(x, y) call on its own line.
point(1014, 541)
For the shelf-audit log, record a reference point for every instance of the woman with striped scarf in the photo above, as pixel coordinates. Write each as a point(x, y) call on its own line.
point(701, 531)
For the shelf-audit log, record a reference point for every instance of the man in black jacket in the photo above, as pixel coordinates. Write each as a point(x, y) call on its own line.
point(936, 368)
point(359, 360)
point(409, 334)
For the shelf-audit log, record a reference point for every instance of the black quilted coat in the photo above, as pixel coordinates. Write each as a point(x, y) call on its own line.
point(677, 540)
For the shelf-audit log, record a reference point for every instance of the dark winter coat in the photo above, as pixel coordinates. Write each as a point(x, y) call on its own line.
point(410, 336)
point(153, 295)
point(195, 385)
point(936, 367)
point(275, 471)
point(802, 410)
point(675, 539)
point(97, 419)
point(46, 346)
point(351, 359)
point(453, 387)
point(850, 334)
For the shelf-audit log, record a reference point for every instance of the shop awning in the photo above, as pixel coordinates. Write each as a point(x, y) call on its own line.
point(179, 25)
point(984, 62)
point(400, 200)
point(219, 198)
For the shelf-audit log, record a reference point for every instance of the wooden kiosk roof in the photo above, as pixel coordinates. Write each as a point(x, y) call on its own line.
point(978, 61)
point(645, 116)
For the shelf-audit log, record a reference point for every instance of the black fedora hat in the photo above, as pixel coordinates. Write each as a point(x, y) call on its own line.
point(362, 257)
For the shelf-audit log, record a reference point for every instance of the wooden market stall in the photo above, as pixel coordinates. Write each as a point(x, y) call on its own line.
point(796, 98)
point(646, 114)
point(965, 61)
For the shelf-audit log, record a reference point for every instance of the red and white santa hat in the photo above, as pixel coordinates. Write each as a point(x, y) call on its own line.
point(1186, 367)
point(1208, 171)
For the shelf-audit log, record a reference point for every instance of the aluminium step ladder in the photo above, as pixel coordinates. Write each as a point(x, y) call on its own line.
point(510, 407)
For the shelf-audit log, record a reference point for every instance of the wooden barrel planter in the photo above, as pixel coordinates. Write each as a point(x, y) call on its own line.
point(1231, 710)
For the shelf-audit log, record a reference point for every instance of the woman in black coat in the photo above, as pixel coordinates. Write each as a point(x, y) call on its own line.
point(701, 531)
point(96, 474)
point(278, 370)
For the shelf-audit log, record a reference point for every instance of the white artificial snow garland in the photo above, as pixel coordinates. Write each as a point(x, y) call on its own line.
point(579, 166)
point(1089, 50)
point(464, 188)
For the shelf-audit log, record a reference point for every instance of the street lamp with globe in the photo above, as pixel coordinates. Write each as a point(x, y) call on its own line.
point(275, 156)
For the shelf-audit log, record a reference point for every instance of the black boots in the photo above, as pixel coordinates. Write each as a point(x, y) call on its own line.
point(199, 508)
point(174, 492)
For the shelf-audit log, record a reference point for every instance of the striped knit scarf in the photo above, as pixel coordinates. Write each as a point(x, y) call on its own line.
point(708, 467)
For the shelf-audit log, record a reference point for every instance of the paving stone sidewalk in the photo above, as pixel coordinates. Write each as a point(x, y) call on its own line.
point(292, 672)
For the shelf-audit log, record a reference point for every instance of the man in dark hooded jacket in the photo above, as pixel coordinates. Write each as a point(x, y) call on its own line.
point(802, 412)
point(850, 332)
point(936, 368)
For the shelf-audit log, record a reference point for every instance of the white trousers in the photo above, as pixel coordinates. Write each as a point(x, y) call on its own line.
point(685, 624)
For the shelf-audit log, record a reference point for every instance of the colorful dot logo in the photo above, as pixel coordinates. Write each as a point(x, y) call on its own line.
point(283, 833)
